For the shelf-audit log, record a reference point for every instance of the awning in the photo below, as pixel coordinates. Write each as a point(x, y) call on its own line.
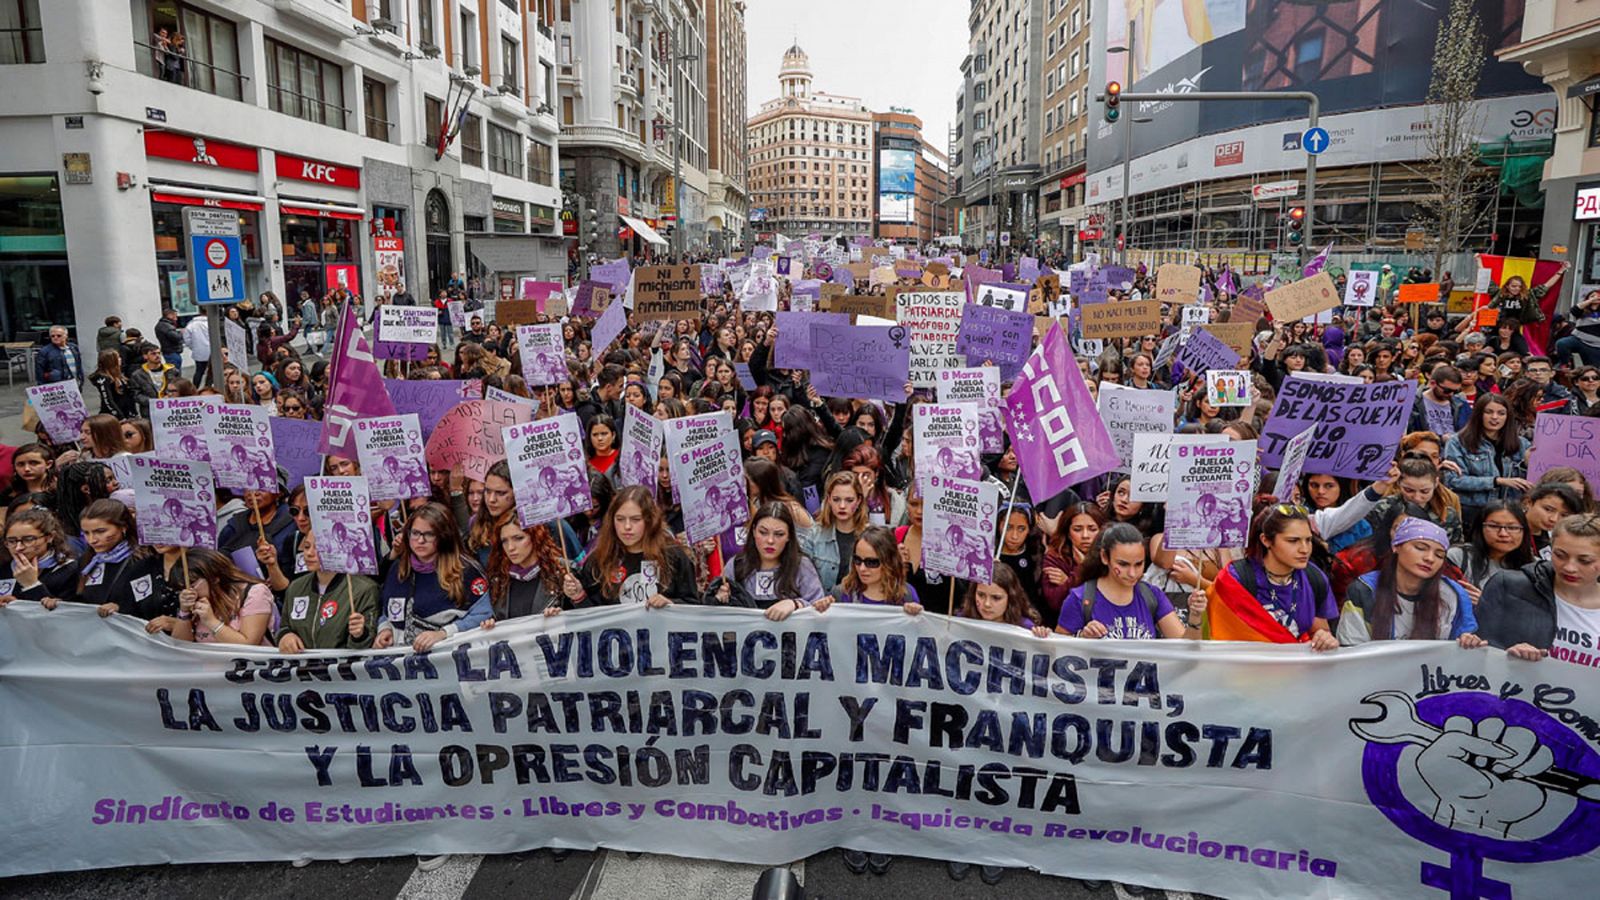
point(322, 211)
point(645, 231)
point(216, 199)
point(1584, 88)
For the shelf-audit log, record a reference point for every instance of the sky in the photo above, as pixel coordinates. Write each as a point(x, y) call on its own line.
point(903, 53)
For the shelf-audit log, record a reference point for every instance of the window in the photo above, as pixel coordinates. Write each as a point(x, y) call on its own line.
point(472, 141)
point(549, 85)
point(210, 60)
point(21, 35)
point(505, 151)
point(304, 86)
point(469, 40)
point(1308, 57)
point(425, 32)
point(510, 53)
point(432, 120)
point(566, 110)
point(541, 163)
point(375, 97)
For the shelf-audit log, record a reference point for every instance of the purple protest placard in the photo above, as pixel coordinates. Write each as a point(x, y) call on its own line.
point(61, 410)
point(1053, 422)
point(592, 298)
point(703, 452)
point(616, 275)
point(430, 399)
point(548, 472)
point(1096, 289)
point(868, 362)
point(958, 529)
point(946, 439)
point(544, 360)
point(639, 459)
point(1357, 425)
point(1564, 441)
point(179, 427)
point(977, 276)
point(980, 387)
point(611, 323)
point(240, 444)
point(1119, 278)
point(175, 500)
point(792, 349)
point(341, 525)
point(997, 335)
point(1077, 280)
point(294, 444)
point(1203, 352)
point(1028, 269)
point(390, 450)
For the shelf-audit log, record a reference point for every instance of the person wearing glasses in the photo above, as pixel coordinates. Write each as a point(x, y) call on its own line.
point(41, 566)
point(1547, 608)
point(433, 590)
point(292, 404)
point(1441, 409)
point(1498, 542)
point(1586, 391)
point(1275, 594)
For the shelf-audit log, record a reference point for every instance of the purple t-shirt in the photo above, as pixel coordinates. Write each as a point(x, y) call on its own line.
point(1294, 605)
point(844, 597)
point(1131, 622)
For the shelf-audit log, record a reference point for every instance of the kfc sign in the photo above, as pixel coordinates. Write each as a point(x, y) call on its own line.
point(1588, 204)
point(317, 172)
point(1229, 154)
point(199, 151)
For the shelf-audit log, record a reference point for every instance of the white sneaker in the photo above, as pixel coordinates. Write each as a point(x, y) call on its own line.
point(302, 862)
point(429, 863)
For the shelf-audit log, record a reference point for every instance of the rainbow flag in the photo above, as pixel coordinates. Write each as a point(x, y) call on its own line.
point(1234, 614)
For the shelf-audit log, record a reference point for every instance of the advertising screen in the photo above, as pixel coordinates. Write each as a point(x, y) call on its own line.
point(897, 185)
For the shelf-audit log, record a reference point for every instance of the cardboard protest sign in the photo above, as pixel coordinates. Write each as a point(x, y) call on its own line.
point(549, 474)
point(1054, 425)
point(1000, 336)
point(958, 530)
point(175, 500)
point(516, 312)
point(179, 426)
point(341, 524)
point(240, 444)
point(1203, 352)
point(390, 450)
point(1119, 277)
point(1122, 319)
point(544, 359)
point(870, 362)
point(60, 409)
point(959, 387)
point(933, 321)
point(1357, 425)
point(1177, 283)
point(1294, 458)
point(1249, 308)
point(1565, 441)
point(881, 307)
point(791, 349)
point(1237, 335)
point(639, 454)
point(708, 469)
point(936, 275)
point(666, 292)
point(1046, 294)
point(1152, 460)
point(945, 437)
point(1302, 298)
point(1229, 387)
point(1209, 487)
point(1129, 411)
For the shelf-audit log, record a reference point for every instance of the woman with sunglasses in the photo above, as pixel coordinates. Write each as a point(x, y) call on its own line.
point(433, 590)
point(1409, 597)
point(292, 404)
point(1586, 389)
point(877, 575)
point(1275, 594)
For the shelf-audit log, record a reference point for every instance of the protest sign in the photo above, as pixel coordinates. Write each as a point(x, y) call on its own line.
point(639, 459)
point(1168, 349)
point(500, 396)
point(175, 500)
point(536, 290)
point(430, 399)
point(240, 445)
point(980, 386)
point(1078, 280)
point(385, 347)
point(1152, 458)
point(933, 319)
point(1357, 425)
point(457, 310)
point(1203, 352)
point(1003, 296)
point(236, 344)
point(1302, 298)
point(340, 510)
point(666, 292)
point(936, 275)
point(1046, 294)
point(1417, 293)
point(1096, 288)
point(469, 436)
point(759, 292)
point(1485, 318)
point(556, 306)
point(611, 323)
point(544, 360)
point(1560, 440)
point(881, 276)
point(1229, 387)
point(977, 276)
point(712, 280)
point(1129, 411)
point(1119, 278)
point(294, 445)
point(1177, 283)
point(958, 533)
point(178, 426)
point(616, 275)
point(60, 409)
point(1195, 315)
point(1221, 718)
point(861, 305)
point(1236, 335)
point(592, 298)
point(1360, 287)
point(1209, 486)
point(1294, 458)
point(791, 348)
point(1054, 425)
point(996, 335)
point(946, 439)
point(390, 450)
point(408, 324)
point(1250, 307)
point(1122, 319)
point(868, 362)
point(549, 474)
point(708, 470)
point(510, 313)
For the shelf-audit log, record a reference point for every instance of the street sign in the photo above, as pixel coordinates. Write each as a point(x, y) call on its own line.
point(215, 257)
point(1315, 140)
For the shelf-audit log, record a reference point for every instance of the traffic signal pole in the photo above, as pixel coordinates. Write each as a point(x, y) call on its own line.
point(1313, 106)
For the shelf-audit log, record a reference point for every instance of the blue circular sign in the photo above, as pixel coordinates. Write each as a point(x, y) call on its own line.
point(1315, 140)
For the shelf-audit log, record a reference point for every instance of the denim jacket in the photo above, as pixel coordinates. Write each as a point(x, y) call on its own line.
point(1475, 483)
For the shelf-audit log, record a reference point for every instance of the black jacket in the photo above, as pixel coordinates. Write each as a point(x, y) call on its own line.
point(169, 336)
point(137, 585)
point(1518, 606)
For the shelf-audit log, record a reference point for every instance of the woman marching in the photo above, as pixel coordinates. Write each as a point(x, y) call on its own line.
point(1409, 598)
point(1275, 594)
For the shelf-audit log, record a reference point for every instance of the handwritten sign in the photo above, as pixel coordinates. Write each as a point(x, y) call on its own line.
point(666, 292)
point(1177, 283)
point(997, 335)
point(1417, 293)
point(933, 321)
point(1305, 297)
point(1122, 319)
point(1565, 441)
point(1203, 352)
point(1358, 425)
point(870, 362)
point(1236, 335)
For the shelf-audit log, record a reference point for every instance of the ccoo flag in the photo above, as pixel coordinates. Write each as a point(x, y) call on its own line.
point(355, 389)
point(1059, 436)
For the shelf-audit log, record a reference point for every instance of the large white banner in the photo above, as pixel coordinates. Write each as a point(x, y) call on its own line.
point(1393, 770)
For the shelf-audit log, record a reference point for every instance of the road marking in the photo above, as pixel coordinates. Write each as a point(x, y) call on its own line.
point(448, 882)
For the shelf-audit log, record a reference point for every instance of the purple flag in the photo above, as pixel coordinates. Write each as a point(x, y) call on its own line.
point(1317, 262)
point(1057, 431)
point(430, 400)
point(356, 389)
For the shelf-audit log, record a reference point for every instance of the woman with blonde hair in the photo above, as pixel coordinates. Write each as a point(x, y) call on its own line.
point(831, 541)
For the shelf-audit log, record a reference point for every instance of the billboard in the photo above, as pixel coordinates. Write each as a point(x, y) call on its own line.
point(1355, 54)
point(897, 185)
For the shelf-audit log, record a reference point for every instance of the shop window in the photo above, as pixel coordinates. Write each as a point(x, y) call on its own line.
point(304, 86)
point(21, 35)
point(172, 257)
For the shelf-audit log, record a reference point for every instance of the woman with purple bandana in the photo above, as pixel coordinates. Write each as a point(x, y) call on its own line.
point(1408, 598)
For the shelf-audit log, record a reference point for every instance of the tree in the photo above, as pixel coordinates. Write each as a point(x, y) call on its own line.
point(1458, 203)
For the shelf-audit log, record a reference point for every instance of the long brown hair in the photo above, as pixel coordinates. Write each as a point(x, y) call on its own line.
point(105, 435)
point(448, 563)
point(1386, 602)
point(1017, 605)
point(485, 531)
point(228, 583)
point(545, 553)
point(110, 363)
point(881, 540)
point(608, 549)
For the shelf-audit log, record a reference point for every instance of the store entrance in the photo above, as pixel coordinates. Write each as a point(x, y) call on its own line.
point(440, 262)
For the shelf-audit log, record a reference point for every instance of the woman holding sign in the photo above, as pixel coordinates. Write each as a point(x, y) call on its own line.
point(1276, 594)
point(769, 573)
point(433, 590)
point(527, 575)
point(327, 610)
point(222, 605)
point(636, 560)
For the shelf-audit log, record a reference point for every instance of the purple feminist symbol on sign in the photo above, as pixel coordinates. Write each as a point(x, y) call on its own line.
point(1480, 778)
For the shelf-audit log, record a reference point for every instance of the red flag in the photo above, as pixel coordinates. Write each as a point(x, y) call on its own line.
point(1502, 267)
point(355, 388)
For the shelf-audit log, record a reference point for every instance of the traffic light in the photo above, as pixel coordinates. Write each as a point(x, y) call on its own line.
point(591, 223)
point(1113, 99)
point(1297, 225)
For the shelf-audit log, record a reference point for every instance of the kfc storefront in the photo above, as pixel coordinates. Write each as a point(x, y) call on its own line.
point(319, 226)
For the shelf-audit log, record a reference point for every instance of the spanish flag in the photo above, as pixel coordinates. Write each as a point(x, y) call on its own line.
point(1533, 272)
point(1234, 614)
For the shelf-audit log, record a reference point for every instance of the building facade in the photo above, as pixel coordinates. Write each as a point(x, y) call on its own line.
point(1560, 43)
point(811, 166)
point(631, 76)
point(375, 145)
point(728, 204)
point(1065, 132)
point(912, 181)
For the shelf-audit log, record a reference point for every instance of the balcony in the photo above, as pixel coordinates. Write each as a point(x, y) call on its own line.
point(329, 18)
point(193, 74)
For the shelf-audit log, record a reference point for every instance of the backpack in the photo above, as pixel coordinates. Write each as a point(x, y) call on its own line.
point(1246, 576)
point(1091, 593)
